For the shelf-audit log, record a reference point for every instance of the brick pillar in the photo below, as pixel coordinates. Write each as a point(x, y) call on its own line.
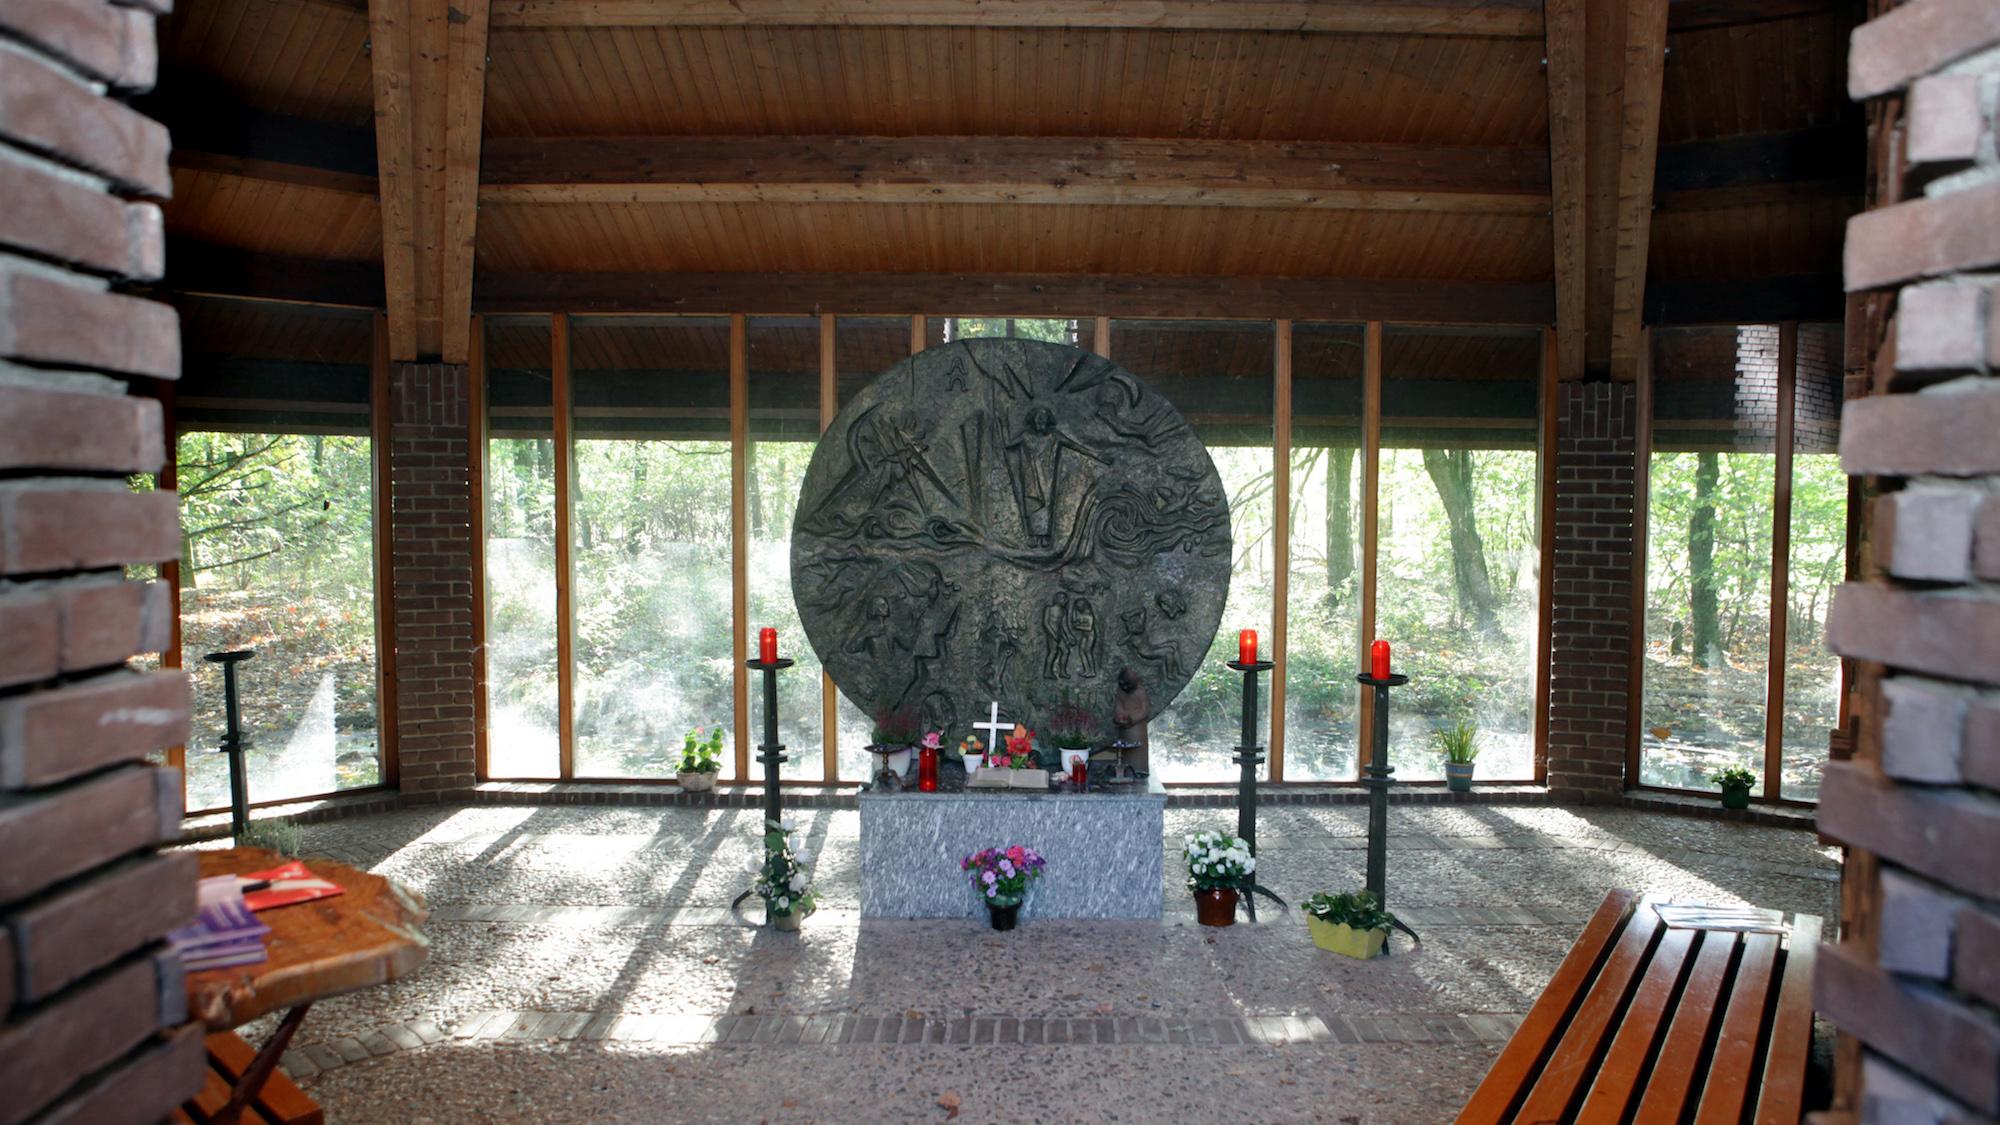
point(1915, 980)
point(432, 583)
point(93, 1011)
point(1590, 628)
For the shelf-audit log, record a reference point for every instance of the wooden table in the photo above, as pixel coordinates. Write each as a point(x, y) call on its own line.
point(365, 936)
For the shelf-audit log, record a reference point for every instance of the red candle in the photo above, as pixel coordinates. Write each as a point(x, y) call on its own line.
point(1378, 660)
point(927, 769)
point(767, 645)
point(1079, 771)
point(1246, 647)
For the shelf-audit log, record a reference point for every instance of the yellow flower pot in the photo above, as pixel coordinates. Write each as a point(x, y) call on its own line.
point(1346, 940)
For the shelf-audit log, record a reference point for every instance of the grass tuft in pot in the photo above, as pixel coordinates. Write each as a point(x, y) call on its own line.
point(1351, 924)
point(1459, 743)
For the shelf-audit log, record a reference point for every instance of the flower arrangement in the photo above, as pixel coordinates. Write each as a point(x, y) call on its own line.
point(1001, 875)
point(1073, 727)
point(895, 726)
point(702, 754)
point(784, 877)
point(1017, 751)
point(1218, 861)
point(1735, 777)
point(970, 747)
point(933, 740)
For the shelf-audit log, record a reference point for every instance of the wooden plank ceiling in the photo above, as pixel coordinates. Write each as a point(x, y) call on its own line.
point(1081, 157)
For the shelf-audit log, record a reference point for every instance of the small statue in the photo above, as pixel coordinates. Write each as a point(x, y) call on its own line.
point(1128, 720)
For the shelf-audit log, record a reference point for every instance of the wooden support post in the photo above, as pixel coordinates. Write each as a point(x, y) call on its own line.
point(1549, 399)
point(829, 695)
point(465, 107)
point(1563, 28)
point(1642, 486)
point(1781, 563)
point(565, 570)
point(475, 493)
point(380, 432)
point(1281, 538)
point(916, 334)
point(168, 480)
point(1100, 336)
point(1371, 481)
point(739, 535)
point(390, 58)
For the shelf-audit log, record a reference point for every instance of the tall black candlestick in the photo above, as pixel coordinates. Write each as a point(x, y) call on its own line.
point(772, 754)
point(1249, 757)
point(1379, 776)
point(233, 743)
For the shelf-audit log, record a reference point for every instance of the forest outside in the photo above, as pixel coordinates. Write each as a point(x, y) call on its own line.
point(278, 556)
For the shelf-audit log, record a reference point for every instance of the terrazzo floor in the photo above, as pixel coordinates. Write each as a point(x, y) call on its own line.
point(585, 967)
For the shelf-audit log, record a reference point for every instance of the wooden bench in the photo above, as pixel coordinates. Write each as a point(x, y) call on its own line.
point(279, 1102)
point(1644, 1023)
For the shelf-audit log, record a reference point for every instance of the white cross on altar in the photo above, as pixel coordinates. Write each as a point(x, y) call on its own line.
point(993, 726)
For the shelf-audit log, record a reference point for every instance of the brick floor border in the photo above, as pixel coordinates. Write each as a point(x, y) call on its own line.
point(908, 1029)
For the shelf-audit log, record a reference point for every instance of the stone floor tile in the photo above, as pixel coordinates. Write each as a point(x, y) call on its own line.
point(323, 1056)
point(350, 1049)
point(403, 1038)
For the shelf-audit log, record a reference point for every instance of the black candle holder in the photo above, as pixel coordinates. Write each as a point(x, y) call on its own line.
point(1250, 757)
point(1378, 775)
point(772, 753)
point(233, 742)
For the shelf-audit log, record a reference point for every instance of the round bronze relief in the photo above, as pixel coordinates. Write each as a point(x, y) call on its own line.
point(1009, 520)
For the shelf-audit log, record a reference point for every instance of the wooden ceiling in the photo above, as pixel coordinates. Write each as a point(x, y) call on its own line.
point(1349, 157)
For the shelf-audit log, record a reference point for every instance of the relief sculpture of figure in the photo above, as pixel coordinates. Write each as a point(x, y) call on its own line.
point(1083, 630)
point(1001, 640)
point(1129, 706)
point(1056, 636)
point(1038, 472)
point(875, 637)
point(1166, 654)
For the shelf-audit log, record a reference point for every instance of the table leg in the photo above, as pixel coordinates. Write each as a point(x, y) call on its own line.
point(259, 1070)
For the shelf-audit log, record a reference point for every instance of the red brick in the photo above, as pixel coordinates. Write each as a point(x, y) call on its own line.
point(56, 734)
point(1923, 732)
point(63, 216)
point(42, 428)
point(1919, 942)
point(1925, 534)
point(33, 639)
point(1986, 541)
point(1925, 1031)
point(45, 109)
point(159, 1076)
point(78, 525)
point(87, 1028)
point(89, 924)
point(1944, 633)
point(1924, 237)
point(47, 321)
point(1941, 327)
point(67, 831)
point(1980, 756)
point(113, 44)
point(1948, 431)
point(1943, 120)
point(103, 623)
point(1929, 831)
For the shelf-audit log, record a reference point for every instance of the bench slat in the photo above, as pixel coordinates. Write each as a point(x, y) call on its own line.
point(1784, 1089)
point(1672, 1081)
point(1556, 1091)
point(214, 1094)
point(1622, 1074)
point(1493, 1102)
point(1728, 1085)
point(280, 1100)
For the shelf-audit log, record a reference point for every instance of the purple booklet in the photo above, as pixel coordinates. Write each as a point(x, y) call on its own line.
point(224, 931)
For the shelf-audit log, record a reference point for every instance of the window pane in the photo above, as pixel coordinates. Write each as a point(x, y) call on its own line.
point(276, 480)
point(1708, 554)
point(650, 534)
point(1323, 642)
point(1457, 570)
point(784, 427)
point(1817, 561)
point(1219, 374)
point(1056, 330)
point(863, 348)
point(521, 705)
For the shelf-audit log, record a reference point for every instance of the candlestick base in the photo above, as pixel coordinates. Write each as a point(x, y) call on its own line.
point(1396, 679)
point(1255, 666)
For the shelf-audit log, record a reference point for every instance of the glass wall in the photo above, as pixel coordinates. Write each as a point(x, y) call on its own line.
point(650, 536)
point(276, 480)
point(522, 710)
point(1458, 569)
point(1817, 561)
point(1221, 375)
point(1323, 632)
point(784, 428)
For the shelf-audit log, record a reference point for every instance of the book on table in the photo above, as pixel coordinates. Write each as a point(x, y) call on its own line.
point(224, 931)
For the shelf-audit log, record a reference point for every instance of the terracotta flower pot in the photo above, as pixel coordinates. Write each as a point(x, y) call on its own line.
point(1215, 908)
point(1003, 917)
point(695, 781)
point(1736, 797)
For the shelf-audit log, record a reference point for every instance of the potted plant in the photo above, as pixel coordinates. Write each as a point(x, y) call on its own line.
point(897, 727)
point(784, 878)
point(1735, 783)
point(701, 760)
point(1017, 755)
point(1218, 866)
point(1353, 925)
point(1001, 877)
point(1459, 743)
point(971, 755)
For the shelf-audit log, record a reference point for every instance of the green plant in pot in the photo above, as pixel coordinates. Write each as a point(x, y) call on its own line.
point(896, 729)
point(1459, 743)
point(701, 759)
point(1352, 924)
point(1219, 866)
point(1735, 783)
point(784, 878)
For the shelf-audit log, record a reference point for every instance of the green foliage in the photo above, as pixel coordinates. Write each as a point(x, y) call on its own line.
point(273, 834)
point(1458, 741)
point(784, 878)
point(897, 726)
point(1734, 777)
point(701, 754)
point(1072, 727)
point(1354, 908)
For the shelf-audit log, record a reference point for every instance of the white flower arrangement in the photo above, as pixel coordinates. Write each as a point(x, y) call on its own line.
point(1218, 861)
point(784, 877)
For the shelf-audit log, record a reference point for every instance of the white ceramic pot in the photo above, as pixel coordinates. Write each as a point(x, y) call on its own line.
point(695, 781)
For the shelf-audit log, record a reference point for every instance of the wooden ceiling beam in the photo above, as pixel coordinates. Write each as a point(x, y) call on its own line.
point(1564, 48)
point(1746, 300)
point(465, 107)
point(214, 131)
point(1124, 295)
point(395, 79)
point(1501, 19)
point(1014, 170)
point(205, 269)
point(1644, 72)
point(1698, 15)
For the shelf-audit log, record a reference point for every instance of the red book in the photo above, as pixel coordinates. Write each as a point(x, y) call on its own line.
point(284, 886)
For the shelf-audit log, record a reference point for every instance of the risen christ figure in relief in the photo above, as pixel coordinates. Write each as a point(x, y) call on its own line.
point(1038, 471)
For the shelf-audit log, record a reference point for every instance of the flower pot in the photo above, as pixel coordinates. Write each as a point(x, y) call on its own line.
point(898, 763)
point(1003, 917)
point(695, 781)
point(1028, 779)
point(1345, 940)
point(788, 922)
point(1458, 776)
point(1736, 797)
point(1215, 908)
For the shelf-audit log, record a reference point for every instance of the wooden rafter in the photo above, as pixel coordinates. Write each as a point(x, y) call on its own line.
point(1644, 70)
point(986, 170)
point(394, 75)
point(1509, 19)
point(1564, 45)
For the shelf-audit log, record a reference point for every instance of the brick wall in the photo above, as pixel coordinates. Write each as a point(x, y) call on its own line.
point(92, 1009)
point(1590, 630)
point(431, 564)
point(1915, 980)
